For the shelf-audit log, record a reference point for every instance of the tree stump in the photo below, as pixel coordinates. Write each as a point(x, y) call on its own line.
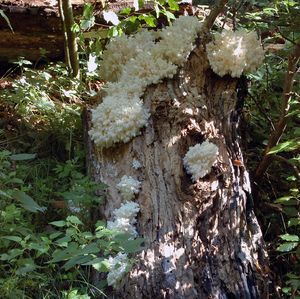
point(202, 239)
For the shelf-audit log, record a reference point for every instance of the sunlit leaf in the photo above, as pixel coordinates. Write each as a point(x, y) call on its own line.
point(287, 146)
point(290, 238)
point(294, 222)
point(74, 220)
point(286, 247)
point(60, 223)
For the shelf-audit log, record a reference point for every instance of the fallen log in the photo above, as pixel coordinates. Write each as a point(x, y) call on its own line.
point(37, 26)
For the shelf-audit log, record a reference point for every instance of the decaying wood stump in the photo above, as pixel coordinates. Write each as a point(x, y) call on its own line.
point(202, 239)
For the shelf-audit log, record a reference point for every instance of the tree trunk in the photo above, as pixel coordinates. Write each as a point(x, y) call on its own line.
point(71, 37)
point(202, 239)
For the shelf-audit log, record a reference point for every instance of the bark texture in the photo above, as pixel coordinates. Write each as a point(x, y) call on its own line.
point(202, 239)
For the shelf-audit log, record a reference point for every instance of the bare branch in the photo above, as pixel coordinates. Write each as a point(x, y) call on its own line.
point(282, 122)
point(216, 10)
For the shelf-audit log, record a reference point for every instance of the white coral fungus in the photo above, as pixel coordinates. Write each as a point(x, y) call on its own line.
point(122, 225)
point(131, 63)
point(118, 268)
point(128, 187)
point(121, 49)
point(118, 120)
point(127, 210)
point(177, 40)
point(235, 52)
point(136, 164)
point(199, 159)
point(125, 218)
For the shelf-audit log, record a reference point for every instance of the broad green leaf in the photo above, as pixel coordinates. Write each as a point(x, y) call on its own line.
point(60, 223)
point(63, 241)
point(125, 11)
point(287, 146)
point(290, 211)
point(11, 254)
point(173, 5)
point(73, 294)
point(76, 260)
point(65, 254)
point(71, 231)
point(150, 20)
point(95, 260)
point(286, 200)
point(168, 14)
point(290, 238)
point(55, 235)
point(40, 247)
point(100, 264)
point(26, 266)
point(87, 23)
point(286, 290)
point(100, 225)
point(286, 247)
point(22, 157)
point(293, 222)
point(12, 238)
point(90, 248)
point(87, 10)
point(87, 235)
point(27, 202)
point(16, 181)
point(74, 220)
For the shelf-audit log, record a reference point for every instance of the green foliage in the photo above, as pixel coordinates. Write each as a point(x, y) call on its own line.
point(278, 22)
point(33, 248)
point(46, 97)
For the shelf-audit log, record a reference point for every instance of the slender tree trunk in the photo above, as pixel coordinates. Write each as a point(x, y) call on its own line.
point(71, 36)
point(202, 239)
point(63, 23)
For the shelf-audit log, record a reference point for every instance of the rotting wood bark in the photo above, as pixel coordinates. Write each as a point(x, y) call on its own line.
point(37, 25)
point(202, 239)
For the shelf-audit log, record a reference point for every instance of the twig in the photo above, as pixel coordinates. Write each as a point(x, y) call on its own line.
point(282, 122)
point(216, 10)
